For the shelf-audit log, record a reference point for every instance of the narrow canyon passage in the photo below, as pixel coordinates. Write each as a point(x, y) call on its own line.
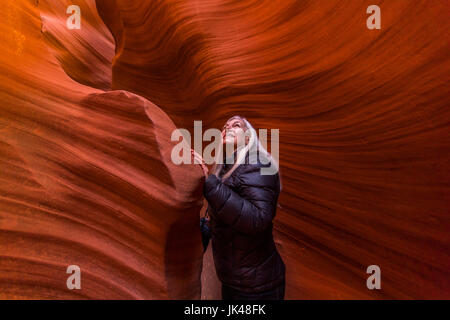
point(86, 174)
point(86, 118)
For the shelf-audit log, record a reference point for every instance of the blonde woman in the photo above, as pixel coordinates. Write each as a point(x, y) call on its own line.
point(242, 203)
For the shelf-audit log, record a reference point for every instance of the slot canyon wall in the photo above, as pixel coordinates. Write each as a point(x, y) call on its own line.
point(86, 174)
point(86, 117)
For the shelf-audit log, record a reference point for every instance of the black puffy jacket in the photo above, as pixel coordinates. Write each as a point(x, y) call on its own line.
point(241, 210)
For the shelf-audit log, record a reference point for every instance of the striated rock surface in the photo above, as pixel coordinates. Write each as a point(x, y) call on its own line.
point(363, 118)
point(86, 177)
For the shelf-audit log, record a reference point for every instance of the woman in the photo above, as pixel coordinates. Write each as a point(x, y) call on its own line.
point(242, 204)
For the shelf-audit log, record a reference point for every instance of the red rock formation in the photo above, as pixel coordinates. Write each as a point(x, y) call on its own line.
point(363, 118)
point(86, 177)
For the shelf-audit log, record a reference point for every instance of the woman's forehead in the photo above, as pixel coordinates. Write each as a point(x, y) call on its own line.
point(234, 120)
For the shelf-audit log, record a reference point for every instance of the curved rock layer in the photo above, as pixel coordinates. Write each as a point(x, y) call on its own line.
point(86, 177)
point(363, 118)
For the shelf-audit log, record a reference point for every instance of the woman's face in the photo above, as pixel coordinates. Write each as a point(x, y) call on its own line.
point(234, 132)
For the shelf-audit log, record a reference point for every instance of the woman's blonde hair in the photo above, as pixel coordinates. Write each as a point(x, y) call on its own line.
point(253, 146)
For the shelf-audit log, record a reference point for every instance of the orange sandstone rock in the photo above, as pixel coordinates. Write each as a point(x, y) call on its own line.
point(86, 176)
point(363, 118)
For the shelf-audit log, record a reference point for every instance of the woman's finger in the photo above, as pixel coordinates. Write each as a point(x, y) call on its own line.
point(199, 159)
point(197, 156)
point(193, 152)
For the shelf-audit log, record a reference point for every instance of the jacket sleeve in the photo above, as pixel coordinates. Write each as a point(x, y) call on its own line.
point(251, 214)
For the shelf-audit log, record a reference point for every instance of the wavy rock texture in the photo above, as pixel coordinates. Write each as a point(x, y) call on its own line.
point(86, 176)
point(363, 118)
